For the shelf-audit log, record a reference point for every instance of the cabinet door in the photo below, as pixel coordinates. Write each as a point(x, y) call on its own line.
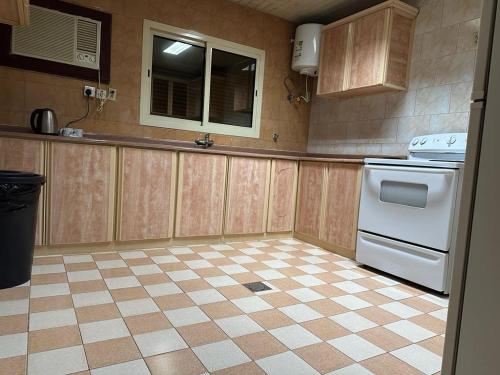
point(282, 196)
point(246, 210)
point(25, 155)
point(368, 49)
point(310, 197)
point(147, 188)
point(332, 67)
point(82, 191)
point(341, 206)
point(200, 195)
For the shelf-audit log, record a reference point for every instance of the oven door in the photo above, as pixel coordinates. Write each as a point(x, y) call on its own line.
point(410, 204)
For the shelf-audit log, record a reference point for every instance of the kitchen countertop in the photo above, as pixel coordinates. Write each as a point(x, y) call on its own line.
point(173, 145)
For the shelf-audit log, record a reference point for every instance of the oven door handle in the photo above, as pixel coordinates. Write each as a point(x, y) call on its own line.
point(442, 171)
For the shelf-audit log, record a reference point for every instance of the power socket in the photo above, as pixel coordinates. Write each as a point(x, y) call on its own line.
point(112, 94)
point(101, 94)
point(89, 91)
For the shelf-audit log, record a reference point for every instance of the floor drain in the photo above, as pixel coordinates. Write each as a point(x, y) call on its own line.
point(257, 286)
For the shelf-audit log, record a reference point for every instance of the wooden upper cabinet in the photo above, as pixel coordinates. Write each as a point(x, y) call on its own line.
point(81, 193)
point(248, 189)
point(14, 12)
point(373, 57)
point(282, 196)
point(146, 194)
point(27, 156)
point(310, 198)
point(200, 195)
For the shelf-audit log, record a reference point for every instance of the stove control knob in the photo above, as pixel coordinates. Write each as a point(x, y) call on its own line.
point(415, 142)
point(423, 141)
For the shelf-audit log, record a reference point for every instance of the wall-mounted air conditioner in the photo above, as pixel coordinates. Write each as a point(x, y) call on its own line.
point(60, 37)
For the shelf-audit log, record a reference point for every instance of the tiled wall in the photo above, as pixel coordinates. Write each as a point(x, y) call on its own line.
point(437, 101)
point(22, 91)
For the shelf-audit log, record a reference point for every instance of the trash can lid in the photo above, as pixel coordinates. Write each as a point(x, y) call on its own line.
point(17, 177)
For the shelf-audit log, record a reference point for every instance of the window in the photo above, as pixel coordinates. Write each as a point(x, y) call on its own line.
point(199, 83)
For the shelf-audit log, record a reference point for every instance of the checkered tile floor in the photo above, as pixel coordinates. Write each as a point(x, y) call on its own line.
point(184, 309)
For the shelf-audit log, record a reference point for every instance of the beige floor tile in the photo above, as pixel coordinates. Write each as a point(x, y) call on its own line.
point(109, 352)
point(421, 304)
point(13, 324)
point(116, 272)
point(50, 303)
point(246, 277)
point(323, 357)
point(180, 362)
point(87, 286)
point(383, 338)
point(370, 283)
point(431, 323)
point(325, 328)
point(81, 373)
point(53, 338)
point(373, 297)
point(138, 262)
point(411, 289)
point(387, 363)
point(40, 261)
point(259, 345)
point(331, 266)
point(156, 278)
point(270, 319)
point(221, 261)
point(209, 272)
point(328, 290)
point(327, 307)
point(235, 291)
point(126, 294)
point(186, 257)
point(147, 323)
point(262, 257)
point(434, 344)
point(378, 315)
point(50, 278)
point(106, 256)
point(201, 334)
point(167, 267)
point(14, 293)
point(193, 285)
point(291, 271)
point(89, 314)
point(174, 301)
point(219, 310)
point(13, 365)
point(286, 284)
point(257, 266)
point(329, 278)
point(249, 368)
point(156, 252)
point(80, 266)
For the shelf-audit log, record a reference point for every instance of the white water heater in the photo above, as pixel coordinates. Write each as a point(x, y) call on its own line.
point(306, 47)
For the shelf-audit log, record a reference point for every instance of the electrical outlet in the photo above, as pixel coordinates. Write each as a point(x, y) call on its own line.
point(87, 90)
point(100, 94)
point(112, 94)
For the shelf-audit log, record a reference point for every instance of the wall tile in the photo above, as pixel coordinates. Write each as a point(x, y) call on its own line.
point(429, 17)
point(409, 127)
point(400, 104)
point(467, 31)
point(456, 11)
point(440, 42)
point(460, 97)
point(433, 100)
point(456, 68)
point(449, 123)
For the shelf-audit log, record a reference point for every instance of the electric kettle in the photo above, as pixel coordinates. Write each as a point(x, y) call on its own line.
point(44, 121)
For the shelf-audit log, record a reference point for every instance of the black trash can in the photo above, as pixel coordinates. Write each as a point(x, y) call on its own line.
point(19, 192)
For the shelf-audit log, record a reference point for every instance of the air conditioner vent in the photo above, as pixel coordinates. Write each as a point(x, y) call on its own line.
point(86, 36)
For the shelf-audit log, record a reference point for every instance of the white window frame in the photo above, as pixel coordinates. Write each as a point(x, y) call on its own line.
point(150, 29)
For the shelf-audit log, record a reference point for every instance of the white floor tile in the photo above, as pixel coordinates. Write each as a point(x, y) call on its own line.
point(276, 264)
point(420, 358)
point(440, 314)
point(70, 259)
point(109, 264)
point(401, 310)
point(137, 307)
point(347, 264)
point(13, 345)
point(286, 363)
point(394, 293)
point(133, 254)
point(251, 304)
point(84, 275)
point(58, 362)
point(385, 280)
point(202, 297)
point(290, 242)
point(211, 255)
point(356, 347)
point(103, 330)
point(122, 282)
point(305, 294)
point(258, 244)
point(441, 301)
point(137, 367)
point(164, 289)
point(240, 325)
point(243, 259)
point(308, 280)
point(350, 287)
point(410, 330)
point(198, 264)
point(349, 274)
point(300, 313)
point(183, 275)
point(147, 269)
point(221, 247)
point(315, 251)
point(158, 342)
point(294, 336)
point(15, 307)
point(281, 255)
point(46, 269)
point(220, 355)
point(312, 259)
point(270, 274)
point(52, 319)
point(233, 269)
point(218, 281)
point(164, 259)
point(353, 321)
point(251, 251)
point(311, 269)
point(92, 298)
point(49, 290)
point(286, 248)
point(180, 250)
point(186, 316)
point(351, 302)
point(354, 369)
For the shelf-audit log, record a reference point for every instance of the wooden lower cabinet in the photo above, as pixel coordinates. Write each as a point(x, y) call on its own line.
point(28, 156)
point(282, 196)
point(248, 189)
point(342, 193)
point(310, 197)
point(200, 195)
point(146, 194)
point(81, 193)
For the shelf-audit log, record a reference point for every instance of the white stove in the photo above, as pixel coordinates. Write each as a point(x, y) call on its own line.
point(408, 210)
